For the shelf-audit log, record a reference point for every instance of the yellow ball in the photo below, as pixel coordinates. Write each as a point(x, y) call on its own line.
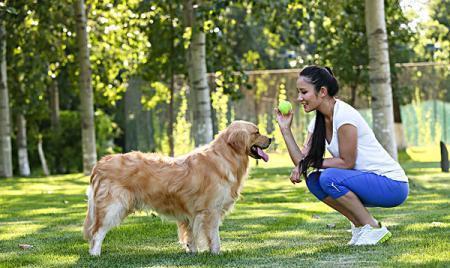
point(285, 107)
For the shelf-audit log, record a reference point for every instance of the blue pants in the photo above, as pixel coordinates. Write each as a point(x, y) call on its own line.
point(373, 190)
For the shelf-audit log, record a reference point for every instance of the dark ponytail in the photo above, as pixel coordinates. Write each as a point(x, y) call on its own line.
point(319, 77)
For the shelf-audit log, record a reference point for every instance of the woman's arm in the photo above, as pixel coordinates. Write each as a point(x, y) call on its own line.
point(348, 141)
point(295, 152)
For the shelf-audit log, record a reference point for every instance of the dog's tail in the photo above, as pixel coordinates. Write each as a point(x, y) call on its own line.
point(90, 214)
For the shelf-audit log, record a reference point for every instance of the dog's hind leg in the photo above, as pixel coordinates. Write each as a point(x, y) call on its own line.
point(97, 240)
point(113, 215)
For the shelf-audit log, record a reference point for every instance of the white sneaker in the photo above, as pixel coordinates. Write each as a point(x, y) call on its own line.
point(356, 231)
point(372, 236)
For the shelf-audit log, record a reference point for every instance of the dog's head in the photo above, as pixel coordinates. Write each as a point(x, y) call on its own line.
point(244, 138)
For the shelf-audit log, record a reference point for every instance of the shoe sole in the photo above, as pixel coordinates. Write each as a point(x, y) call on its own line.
point(385, 237)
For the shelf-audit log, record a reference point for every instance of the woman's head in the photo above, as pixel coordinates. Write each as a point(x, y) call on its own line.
point(315, 84)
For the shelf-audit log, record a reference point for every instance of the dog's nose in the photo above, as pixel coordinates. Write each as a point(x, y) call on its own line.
point(270, 140)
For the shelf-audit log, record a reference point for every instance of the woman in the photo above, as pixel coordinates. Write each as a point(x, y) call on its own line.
point(360, 174)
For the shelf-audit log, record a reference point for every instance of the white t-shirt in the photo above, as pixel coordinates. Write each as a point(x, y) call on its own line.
point(371, 156)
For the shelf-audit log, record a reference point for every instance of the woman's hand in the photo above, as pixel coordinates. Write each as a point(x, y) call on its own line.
point(295, 176)
point(284, 121)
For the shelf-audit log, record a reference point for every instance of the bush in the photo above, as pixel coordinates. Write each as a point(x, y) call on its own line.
point(63, 148)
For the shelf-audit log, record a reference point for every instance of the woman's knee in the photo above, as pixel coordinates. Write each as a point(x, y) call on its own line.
point(330, 182)
point(327, 177)
point(312, 181)
point(313, 184)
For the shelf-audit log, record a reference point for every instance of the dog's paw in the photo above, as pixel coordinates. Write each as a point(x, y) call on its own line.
point(191, 249)
point(95, 253)
point(215, 250)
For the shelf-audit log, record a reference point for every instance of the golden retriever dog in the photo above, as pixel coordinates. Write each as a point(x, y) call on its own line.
point(196, 190)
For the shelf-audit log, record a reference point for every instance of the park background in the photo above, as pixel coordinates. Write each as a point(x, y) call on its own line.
point(134, 66)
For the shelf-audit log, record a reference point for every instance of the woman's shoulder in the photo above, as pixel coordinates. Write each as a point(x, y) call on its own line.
point(347, 114)
point(344, 104)
point(344, 109)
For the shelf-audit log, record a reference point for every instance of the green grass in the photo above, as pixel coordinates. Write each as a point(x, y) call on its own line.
point(272, 225)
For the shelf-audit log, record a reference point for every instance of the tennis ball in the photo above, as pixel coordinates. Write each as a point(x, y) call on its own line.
point(285, 107)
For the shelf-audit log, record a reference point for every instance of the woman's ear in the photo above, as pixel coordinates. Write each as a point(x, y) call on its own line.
point(323, 91)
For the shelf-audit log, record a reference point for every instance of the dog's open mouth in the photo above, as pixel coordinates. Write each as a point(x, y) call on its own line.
point(258, 153)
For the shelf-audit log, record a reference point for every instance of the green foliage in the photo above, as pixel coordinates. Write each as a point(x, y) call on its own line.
point(279, 140)
point(147, 39)
point(63, 149)
point(346, 52)
point(105, 132)
point(158, 93)
point(220, 102)
point(433, 35)
point(40, 45)
point(182, 128)
point(118, 44)
point(166, 36)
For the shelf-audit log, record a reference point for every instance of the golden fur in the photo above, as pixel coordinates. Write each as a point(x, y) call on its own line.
point(196, 189)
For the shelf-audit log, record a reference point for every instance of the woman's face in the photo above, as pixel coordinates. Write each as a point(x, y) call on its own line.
point(307, 96)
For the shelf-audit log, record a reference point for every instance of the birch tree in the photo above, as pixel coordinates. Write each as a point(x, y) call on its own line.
point(5, 128)
point(379, 73)
point(196, 61)
point(22, 150)
point(86, 94)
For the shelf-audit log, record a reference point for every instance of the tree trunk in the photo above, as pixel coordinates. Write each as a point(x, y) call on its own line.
point(196, 61)
point(86, 94)
point(379, 73)
point(54, 104)
point(133, 108)
point(138, 128)
point(42, 157)
point(22, 153)
point(399, 133)
point(5, 127)
point(353, 88)
point(55, 122)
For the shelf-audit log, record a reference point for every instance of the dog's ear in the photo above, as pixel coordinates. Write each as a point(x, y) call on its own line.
point(237, 139)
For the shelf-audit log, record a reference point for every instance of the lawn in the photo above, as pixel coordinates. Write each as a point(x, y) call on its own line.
point(274, 224)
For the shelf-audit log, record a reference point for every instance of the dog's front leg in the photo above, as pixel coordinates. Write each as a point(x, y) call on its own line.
point(199, 230)
point(212, 232)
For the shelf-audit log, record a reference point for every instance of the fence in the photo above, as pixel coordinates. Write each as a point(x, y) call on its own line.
point(422, 89)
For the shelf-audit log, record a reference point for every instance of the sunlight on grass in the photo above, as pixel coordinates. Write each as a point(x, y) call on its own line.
point(43, 260)
point(13, 230)
point(430, 153)
point(426, 255)
point(430, 202)
point(427, 225)
point(43, 211)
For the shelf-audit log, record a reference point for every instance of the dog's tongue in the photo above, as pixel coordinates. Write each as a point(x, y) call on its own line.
point(263, 155)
